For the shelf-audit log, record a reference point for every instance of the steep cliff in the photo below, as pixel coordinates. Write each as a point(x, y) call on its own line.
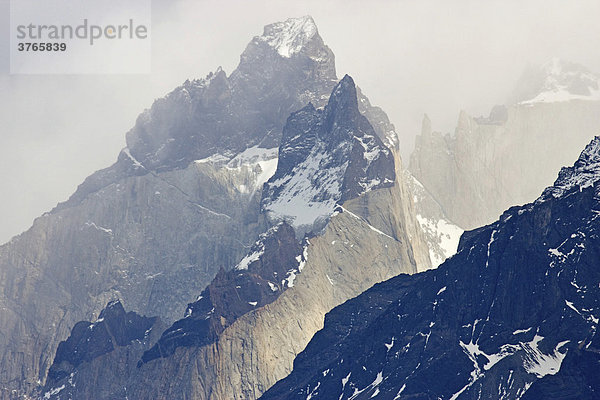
point(243, 331)
point(507, 158)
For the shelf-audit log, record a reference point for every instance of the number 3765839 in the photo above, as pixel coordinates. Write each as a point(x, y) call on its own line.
point(25, 46)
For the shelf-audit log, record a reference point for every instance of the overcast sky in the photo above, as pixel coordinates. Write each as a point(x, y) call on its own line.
point(409, 57)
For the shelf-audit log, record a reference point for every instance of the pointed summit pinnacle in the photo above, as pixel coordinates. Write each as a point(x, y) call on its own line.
point(344, 95)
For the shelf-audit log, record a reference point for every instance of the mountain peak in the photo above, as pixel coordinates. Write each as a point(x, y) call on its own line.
point(326, 156)
point(290, 36)
point(346, 81)
point(584, 173)
point(345, 89)
point(343, 102)
point(286, 67)
point(591, 154)
point(557, 80)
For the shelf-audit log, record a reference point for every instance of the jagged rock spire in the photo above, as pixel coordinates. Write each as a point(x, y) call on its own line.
point(326, 156)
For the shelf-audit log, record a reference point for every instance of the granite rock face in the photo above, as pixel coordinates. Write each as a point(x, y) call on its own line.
point(149, 240)
point(258, 349)
point(181, 203)
point(259, 279)
point(243, 330)
point(491, 163)
point(514, 314)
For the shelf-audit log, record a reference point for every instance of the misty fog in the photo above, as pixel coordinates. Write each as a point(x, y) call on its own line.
point(409, 58)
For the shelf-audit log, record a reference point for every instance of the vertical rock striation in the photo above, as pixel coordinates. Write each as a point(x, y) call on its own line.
point(509, 157)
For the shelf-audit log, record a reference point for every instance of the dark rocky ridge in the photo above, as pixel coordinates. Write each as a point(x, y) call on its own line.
point(88, 341)
point(519, 296)
point(259, 279)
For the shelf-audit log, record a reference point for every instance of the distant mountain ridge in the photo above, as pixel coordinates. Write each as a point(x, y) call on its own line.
point(490, 163)
point(556, 81)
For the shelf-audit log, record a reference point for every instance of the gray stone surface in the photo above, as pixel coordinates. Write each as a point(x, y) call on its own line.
point(487, 166)
point(154, 228)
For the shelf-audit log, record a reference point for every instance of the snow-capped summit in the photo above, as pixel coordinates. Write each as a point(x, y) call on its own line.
point(290, 36)
point(279, 72)
point(557, 80)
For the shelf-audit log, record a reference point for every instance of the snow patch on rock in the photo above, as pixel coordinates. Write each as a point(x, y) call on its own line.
point(445, 234)
point(290, 36)
point(310, 192)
